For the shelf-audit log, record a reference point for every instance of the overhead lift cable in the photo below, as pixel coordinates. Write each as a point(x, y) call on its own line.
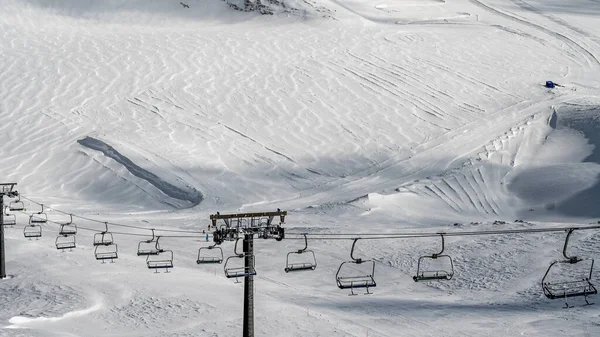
point(111, 223)
point(413, 235)
point(119, 233)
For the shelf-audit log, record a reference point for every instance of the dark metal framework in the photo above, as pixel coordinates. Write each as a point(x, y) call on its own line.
point(244, 226)
point(571, 288)
point(353, 280)
point(435, 275)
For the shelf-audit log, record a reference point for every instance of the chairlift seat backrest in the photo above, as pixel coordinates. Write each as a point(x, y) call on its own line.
point(569, 289)
point(238, 271)
point(348, 277)
point(436, 274)
point(147, 247)
point(579, 285)
point(16, 206)
point(302, 259)
point(32, 231)
point(353, 279)
point(9, 220)
point(103, 239)
point(204, 256)
point(164, 260)
point(106, 252)
point(67, 229)
point(310, 263)
point(38, 218)
point(65, 242)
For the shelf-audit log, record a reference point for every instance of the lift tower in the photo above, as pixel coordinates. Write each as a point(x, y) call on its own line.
point(6, 189)
point(245, 226)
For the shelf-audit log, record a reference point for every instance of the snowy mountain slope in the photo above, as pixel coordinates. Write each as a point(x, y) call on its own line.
point(356, 116)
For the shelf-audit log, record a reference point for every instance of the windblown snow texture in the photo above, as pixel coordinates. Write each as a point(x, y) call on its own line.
point(192, 195)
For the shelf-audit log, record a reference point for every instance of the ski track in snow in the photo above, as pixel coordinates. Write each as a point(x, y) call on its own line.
point(386, 116)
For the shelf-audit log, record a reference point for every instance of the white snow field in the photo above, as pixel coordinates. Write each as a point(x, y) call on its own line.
point(355, 116)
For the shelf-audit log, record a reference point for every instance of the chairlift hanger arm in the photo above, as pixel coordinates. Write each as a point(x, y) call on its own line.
point(300, 251)
point(148, 241)
point(358, 261)
point(235, 249)
point(442, 251)
point(571, 259)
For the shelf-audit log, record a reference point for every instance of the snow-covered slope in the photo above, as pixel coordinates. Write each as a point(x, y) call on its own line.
point(355, 116)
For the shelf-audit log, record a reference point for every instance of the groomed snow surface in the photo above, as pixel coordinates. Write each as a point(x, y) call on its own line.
point(355, 116)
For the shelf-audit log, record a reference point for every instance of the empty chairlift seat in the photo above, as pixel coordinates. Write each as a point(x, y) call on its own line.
point(210, 255)
point(106, 252)
point(162, 260)
point(16, 205)
point(235, 266)
point(32, 231)
point(301, 260)
point(64, 242)
point(571, 277)
point(39, 217)
point(357, 273)
point(68, 228)
point(435, 267)
point(8, 219)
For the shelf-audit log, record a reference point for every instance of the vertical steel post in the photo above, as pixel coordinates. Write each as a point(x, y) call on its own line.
point(249, 286)
point(2, 259)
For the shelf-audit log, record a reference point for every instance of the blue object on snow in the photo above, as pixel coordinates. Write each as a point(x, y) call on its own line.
point(549, 84)
point(207, 237)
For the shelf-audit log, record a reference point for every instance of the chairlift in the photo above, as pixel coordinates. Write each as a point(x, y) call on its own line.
point(210, 254)
point(16, 205)
point(162, 260)
point(68, 228)
point(571, 287)
point(104, 238)
point(238, 271)
point(148, 247)
point(347, 277)
point(9, 219)
point(39, 217)
point(106, 252)
point(32, 231)
point(437, 274)
point(64, 242)
point(309, 263)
